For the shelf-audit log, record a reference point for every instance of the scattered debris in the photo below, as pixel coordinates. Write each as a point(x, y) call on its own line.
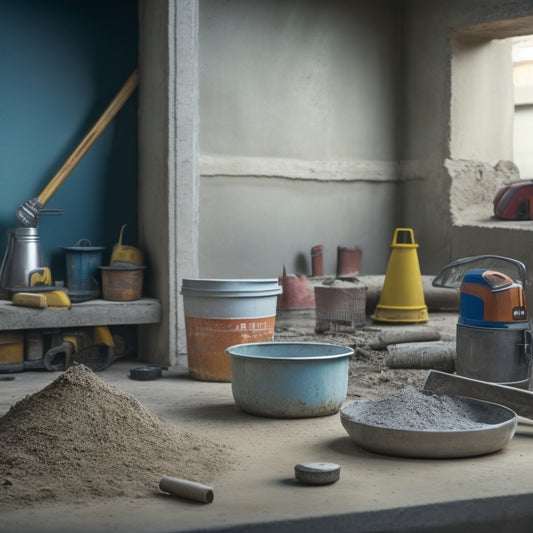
point(437, 355)
point(405, 334)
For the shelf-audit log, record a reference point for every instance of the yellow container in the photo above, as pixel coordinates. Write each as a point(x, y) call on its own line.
point(11, 348)
point(402, 297)
point(122, 253)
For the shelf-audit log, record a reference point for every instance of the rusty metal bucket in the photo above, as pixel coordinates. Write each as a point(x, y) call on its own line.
point(122, 283)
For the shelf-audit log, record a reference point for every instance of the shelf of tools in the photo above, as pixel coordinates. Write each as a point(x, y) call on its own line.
point(40, 328)
point(54, 338)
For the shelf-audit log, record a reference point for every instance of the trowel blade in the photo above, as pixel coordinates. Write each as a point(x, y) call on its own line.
point(519, 400)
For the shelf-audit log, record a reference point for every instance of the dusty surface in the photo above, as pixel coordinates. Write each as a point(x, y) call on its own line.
point(79, 438)
point(370, 377)
point(261, 489)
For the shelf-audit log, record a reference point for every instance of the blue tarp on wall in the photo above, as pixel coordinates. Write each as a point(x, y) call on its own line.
point(61, 63)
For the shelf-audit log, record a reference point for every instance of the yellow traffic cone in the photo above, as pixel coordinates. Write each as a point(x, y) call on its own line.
point(402, 297)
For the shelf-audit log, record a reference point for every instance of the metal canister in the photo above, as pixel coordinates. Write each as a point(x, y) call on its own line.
point(82, 268)
point(494, 354)
point(493, 333)
point(22, 256)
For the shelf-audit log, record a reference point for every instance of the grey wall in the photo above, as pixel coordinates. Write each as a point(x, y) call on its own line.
point(523, 126)
point(312, 113)
point(523, 116)
point(299, 108)
point(482, 100)
point(168, 168)
point(261, 225)
point(431, 131)
point(319, 123)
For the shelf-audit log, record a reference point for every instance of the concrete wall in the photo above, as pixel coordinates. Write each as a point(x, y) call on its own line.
point(523, 128)
point(482, 103)
point(299, 107)
point(434, 135)
point(257, 226)
point(523, 99)
point(310, 111)
point(319, 123)
point(168, 169)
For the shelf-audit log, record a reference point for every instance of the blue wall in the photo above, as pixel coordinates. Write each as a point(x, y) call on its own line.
point(61, 63)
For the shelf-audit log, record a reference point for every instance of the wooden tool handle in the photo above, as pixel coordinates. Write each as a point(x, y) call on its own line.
point(95, 132)
point(30, 299)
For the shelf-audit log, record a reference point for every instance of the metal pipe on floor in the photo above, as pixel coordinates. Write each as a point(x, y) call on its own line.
point(436, 299)
point(186, 489)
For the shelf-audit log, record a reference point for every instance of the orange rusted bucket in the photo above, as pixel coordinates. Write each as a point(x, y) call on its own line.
point(122, 283)
point(220, 313)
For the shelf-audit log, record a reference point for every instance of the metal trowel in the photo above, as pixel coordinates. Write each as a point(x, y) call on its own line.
point(519, 400)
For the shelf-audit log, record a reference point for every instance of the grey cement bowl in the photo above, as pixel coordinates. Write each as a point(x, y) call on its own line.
point(498, 429)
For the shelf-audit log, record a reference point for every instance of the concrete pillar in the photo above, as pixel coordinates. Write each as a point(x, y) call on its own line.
point(168, 165)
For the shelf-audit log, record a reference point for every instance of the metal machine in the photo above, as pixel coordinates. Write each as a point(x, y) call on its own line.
point(493, 331)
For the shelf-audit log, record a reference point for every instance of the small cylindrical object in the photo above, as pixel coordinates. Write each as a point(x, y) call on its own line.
point(187, 489)
point(405, 335)
point(437, 355)
point(316, 260)
point(318, 473)
point(33, 348)
point(348, 261)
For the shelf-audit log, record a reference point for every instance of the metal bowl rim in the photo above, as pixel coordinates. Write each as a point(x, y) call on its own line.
point(347, 351)
point(512, 419)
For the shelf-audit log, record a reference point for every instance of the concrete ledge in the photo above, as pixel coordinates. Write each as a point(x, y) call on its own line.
point(91, 313)
point(481, 515)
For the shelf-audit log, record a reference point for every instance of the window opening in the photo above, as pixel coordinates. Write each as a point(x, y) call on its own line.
point(522, 58)
point(491, 137)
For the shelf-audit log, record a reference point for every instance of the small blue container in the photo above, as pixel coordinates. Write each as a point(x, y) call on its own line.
point(289, 379)
point(82, 270)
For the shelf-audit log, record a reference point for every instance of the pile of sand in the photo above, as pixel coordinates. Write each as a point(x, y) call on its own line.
point(79, 438)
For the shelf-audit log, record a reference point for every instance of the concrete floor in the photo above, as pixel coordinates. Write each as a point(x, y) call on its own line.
point(374, 493)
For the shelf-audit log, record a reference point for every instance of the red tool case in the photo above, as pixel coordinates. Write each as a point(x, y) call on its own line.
point(514, 201)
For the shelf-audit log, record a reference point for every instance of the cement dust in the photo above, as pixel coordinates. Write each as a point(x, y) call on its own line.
point(417, 410)
point(80, 438)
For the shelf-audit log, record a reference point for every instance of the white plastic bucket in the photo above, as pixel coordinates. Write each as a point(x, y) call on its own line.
point(220, 313)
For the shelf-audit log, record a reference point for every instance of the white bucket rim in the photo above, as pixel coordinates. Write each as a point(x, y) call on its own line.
point(238, 280)
point(238, 351)
point(205, 293)
point(235, 288)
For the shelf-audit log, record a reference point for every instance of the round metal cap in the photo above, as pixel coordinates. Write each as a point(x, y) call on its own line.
point(317, 473)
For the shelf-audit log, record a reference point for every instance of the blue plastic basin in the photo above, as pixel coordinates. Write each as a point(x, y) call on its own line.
point(289, 379)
